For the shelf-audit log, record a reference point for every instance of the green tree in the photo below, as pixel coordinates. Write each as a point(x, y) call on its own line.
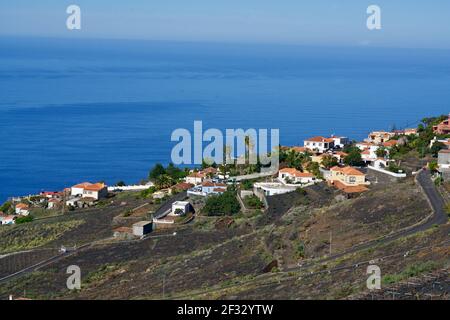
point(381, 152)
point(353, 158)
point(223, 204)
point(328, 161)
point(433, 166)
point(121, 183)
point(156, 171)
point(437, 146)
point(26, 219)
point(164, 181)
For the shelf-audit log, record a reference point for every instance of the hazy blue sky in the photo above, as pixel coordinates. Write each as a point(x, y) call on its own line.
point(406, 23)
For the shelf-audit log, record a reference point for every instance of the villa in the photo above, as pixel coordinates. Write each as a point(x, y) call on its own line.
point(208, 188)
point(348, 179)
point(88, 190)
point(340, 142)
point(319, 144)
point(195, 178)
point(22, 209)
point(443, 127)
point(294, 176)
point(378, 137)
point(7, 219)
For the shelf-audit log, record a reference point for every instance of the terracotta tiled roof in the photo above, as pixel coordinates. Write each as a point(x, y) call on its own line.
point(183, 186)
point(219, 190)
point(349, 189)
point(320, 139)
point(299, 149)
point(82, 185)
point(348, 171)
point(95, 187)
point(390, 143)
point(22, 206)
point(296, 173)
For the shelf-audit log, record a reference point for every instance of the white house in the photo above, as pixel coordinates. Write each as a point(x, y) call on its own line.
point(272, 188)
point(293, 176)
point(340, 142)
point(319, 144)
point(77, 190)
point(53, 203)
point(88, 190)
point(4, 219)
point(195, 178)
point(180, 208)
point(22, 209)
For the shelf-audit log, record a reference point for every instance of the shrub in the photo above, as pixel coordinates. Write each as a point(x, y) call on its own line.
point(224, 204)
point(26, 219)
point(253, 202)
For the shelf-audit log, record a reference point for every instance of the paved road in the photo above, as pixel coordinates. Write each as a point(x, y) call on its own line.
point(439, 217)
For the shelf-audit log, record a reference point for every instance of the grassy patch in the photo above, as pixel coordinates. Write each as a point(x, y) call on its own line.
point(32, 235)
point(411, 271)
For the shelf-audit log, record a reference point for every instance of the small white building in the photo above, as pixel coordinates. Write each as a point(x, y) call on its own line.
point(180, 208)
point(142, 228)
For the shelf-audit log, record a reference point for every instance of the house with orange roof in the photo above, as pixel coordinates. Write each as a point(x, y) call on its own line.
point(95, 191)
point(378, 137)
point(77, 190)
point(22, 209)
point(344, 177)
point(207, 188)
point(7, 219)
point(443, 127)
point(390, 143)
point(195, 178)
point(294, 176)
point(319, 144)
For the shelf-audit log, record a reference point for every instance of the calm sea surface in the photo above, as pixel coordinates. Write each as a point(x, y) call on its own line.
point(90, 110)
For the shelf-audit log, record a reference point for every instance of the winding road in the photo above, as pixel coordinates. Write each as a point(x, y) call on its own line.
point(438, 217)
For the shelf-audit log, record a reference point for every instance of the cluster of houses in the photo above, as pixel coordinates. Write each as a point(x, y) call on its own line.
point(347, 179)
point(443, 161)
point(206, 182)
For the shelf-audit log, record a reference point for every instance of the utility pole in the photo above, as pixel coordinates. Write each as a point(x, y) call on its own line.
point(331, 238)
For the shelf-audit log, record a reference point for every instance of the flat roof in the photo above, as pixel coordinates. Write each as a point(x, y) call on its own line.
point(142, 223)
point(181, 203)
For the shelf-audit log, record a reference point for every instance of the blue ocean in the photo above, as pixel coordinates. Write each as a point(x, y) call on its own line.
point(104, 110)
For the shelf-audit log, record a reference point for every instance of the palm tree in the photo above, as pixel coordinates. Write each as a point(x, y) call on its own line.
point(164, 181)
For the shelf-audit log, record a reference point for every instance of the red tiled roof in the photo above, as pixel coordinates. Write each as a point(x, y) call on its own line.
point(95, 187)
point(183, 186)
point(82, 185)
point(390, 143)
point(349, 189)
point(22, 206)
point(320, 139)
point(296, 173)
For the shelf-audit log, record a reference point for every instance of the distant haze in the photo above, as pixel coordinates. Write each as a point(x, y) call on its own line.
point(405, 23)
